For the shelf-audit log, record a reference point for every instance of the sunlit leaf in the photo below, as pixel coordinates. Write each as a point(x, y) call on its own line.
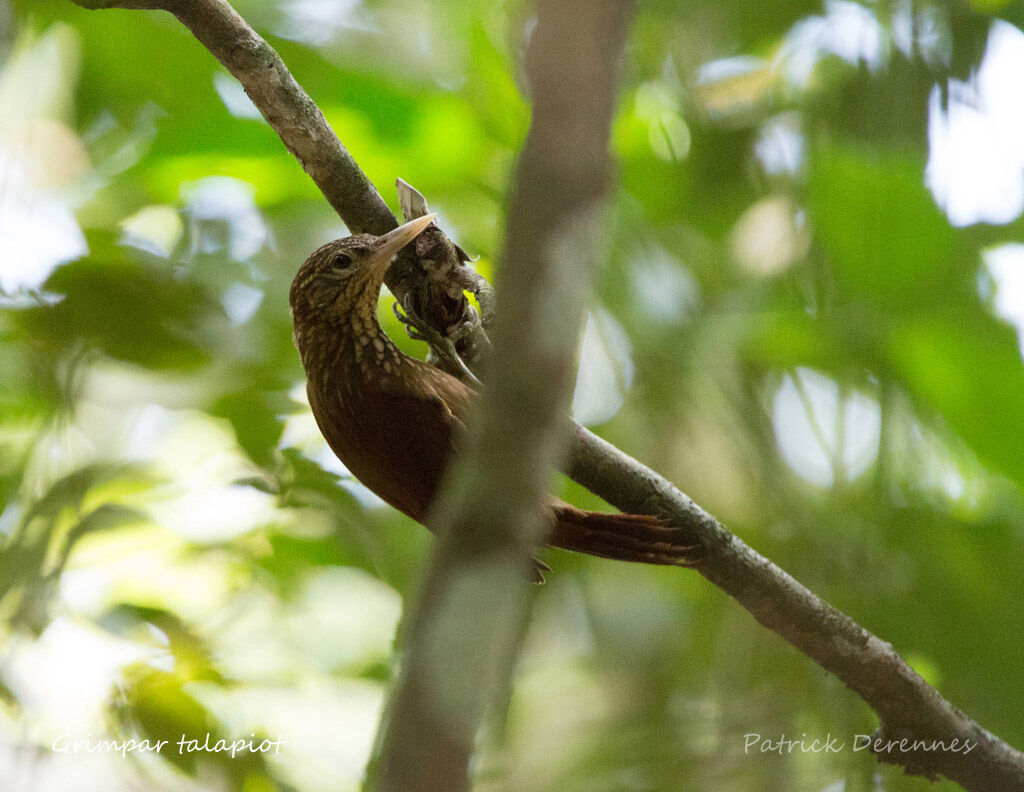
point(885, 238)
point(969, 369)
point(133, 311)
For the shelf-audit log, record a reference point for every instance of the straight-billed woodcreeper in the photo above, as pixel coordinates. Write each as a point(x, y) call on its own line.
point(394, 420)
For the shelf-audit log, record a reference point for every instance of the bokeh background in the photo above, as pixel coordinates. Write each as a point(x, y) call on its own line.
point(810, 318)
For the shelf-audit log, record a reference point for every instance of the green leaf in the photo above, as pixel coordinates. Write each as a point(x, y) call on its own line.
point(885, 238)
point(254, 412)
point(136, 311)
point(967, 366)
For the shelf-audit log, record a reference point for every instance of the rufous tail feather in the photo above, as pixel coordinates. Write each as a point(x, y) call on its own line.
point(624, 537)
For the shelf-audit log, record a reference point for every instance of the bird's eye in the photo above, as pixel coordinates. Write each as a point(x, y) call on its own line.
point(341, 261)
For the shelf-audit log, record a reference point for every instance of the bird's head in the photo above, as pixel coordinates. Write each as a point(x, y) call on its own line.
point(344, 276)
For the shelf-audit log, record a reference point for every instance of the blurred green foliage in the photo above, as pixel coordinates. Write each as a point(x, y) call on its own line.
point(787, 326)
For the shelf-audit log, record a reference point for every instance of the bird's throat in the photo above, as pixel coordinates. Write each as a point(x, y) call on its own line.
point(352, 354)
point(369, 345)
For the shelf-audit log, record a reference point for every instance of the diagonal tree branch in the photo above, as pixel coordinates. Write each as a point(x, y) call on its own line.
point(907, 707)
point(305, 132)
point(286, 107)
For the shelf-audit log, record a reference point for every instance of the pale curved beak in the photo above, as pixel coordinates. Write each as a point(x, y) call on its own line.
point(385, 247)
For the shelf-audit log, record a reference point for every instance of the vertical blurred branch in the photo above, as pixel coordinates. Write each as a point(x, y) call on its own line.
point(468, 626)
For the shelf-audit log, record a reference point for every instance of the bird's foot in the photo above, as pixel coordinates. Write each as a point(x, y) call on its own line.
point(470, 327)
point(471, 280)
point(442, 346)
point(415, 327)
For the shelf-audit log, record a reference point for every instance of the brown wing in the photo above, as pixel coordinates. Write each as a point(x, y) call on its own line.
point(397, 436)
point(456, 395)
point(404, 440)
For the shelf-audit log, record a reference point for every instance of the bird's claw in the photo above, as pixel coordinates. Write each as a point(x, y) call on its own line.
point(469, 324)
point(414, 327)
point(441, 346)
point(471, 280)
